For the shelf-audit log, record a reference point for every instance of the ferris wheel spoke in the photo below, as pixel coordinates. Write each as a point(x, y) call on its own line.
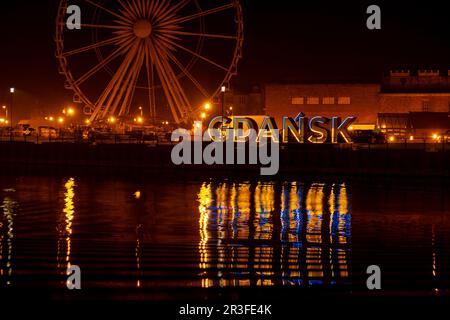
point(118, 16)
point(135, 72)
point(99, 66)
point(150, 80)
point(112, 85)
point(206, 35)
point(205, 13)
point(161, 9)
point(119, 82)
point(181, 103)
point(189, 75)
point(199, 56)
point(111, 41)
point(165, 86)
point(173, 11)
point(129, 95)
point(141, 7)
point(127, 11)
point(135, 5)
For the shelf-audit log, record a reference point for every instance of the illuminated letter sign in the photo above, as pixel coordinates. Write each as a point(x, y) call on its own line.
point(314, 130)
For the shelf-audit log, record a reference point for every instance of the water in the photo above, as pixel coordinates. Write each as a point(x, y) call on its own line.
point(156, 239)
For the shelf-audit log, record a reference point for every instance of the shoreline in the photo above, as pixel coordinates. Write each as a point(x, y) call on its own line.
point(392, 160)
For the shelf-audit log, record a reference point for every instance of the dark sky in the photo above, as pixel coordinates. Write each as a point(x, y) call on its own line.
point(285, 40)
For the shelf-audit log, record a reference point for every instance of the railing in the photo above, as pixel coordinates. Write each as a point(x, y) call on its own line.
point(428, 145)
point(99, 139)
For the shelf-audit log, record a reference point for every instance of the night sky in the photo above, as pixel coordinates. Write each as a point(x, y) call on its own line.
point(284, 41)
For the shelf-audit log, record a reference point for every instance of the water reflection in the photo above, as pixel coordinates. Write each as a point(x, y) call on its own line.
point(6, 237)
point(249, 236)
point(65, 227)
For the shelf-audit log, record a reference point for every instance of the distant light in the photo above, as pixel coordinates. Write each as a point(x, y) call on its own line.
point(4, 107)
point(51, 118)
point(351, 128)
point(391, 138)
point(167, 123)
point(70, 111)
point(2, 120)
point(112, 120)
point(224, 89)
point(12, 90)
point(411, 138)
point(140, 120)
point(207, 106)
point(60, 120)
point(137, 195)
point(231, 108)
point(435, 136)
point(203, 115)
point(88, 121)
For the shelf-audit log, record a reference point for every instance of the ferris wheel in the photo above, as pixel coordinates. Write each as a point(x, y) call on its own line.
point(162, 57)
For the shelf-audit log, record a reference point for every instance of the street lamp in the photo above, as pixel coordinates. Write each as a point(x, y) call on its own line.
point(6, 111)
point(142, 111)
point(139, 120)
point(207, 106)
point(12, 90)
point(223, 90)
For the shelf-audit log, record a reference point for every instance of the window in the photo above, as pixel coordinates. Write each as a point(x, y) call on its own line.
point(298, 100)
point(328, 100)
point(312, 100)
point(344, 100)
point(425, 105)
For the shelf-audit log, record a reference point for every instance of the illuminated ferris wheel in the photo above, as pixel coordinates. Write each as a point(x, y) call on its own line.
point(162, 56)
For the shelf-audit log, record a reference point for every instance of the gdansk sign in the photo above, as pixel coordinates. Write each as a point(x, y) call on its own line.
point(299, 129)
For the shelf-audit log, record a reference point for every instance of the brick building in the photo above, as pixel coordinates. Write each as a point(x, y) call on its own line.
point(399, 92)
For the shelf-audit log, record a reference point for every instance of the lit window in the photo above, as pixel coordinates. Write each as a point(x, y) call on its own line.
point(344, 100)
point(298, 100)
point(312, 100)
point(328, 100)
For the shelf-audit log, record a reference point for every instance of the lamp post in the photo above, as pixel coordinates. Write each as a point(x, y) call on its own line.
point(12, 90)
point(223, 90)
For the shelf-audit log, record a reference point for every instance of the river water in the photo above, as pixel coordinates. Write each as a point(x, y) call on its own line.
point(144, 238)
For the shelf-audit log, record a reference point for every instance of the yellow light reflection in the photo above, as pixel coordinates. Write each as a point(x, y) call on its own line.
point(8, 212)
point(314, 209)
point(66, 228)
point(205, 199)
point(237, 223)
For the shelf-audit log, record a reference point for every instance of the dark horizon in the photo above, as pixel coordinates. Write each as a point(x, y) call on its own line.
point(289, 42)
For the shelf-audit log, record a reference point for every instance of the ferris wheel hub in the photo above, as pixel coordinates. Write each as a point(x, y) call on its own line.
point(143, 28)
